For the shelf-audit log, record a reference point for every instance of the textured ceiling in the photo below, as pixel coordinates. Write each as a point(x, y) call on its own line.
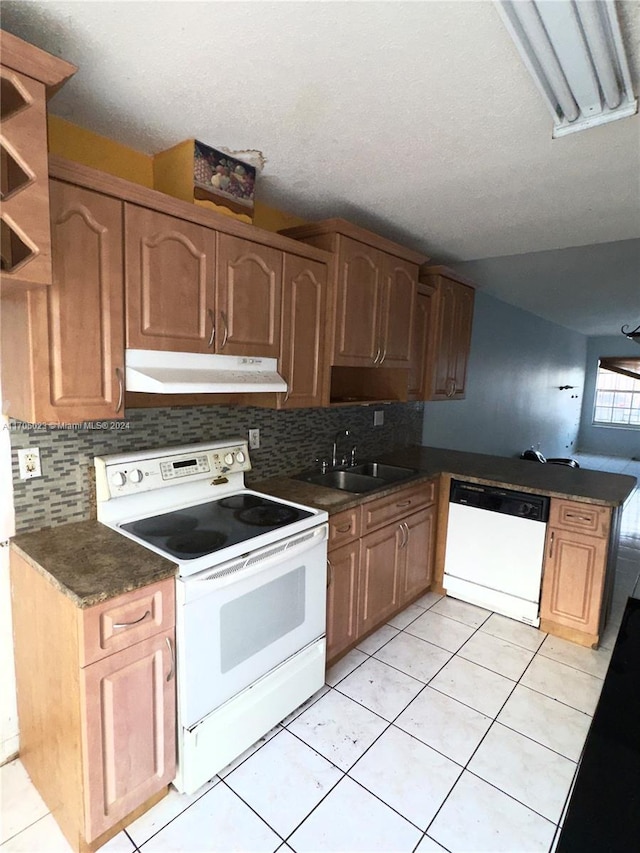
point(416, 119)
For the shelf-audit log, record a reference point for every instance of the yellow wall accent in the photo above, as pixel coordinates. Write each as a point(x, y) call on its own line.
point(83, 146)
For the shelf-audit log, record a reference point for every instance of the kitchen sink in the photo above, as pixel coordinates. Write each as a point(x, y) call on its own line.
point(365, 477)
point(388, 473)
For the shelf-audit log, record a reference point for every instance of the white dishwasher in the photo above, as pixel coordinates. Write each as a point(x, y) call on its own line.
point(495, 549)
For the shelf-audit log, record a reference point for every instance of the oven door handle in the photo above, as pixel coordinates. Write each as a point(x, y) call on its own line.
point(255, 564)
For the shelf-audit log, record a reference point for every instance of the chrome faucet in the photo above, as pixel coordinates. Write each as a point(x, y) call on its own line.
point(334, 452)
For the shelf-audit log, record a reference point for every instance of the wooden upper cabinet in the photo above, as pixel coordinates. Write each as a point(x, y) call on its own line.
point(28, 76)
point(302, 356)
point(248, 298)
point(76, 371)
point(397, 315)
point(372, 295)
point(420, 341)
point(170, 267)
point(358, 304)
point(448, 350)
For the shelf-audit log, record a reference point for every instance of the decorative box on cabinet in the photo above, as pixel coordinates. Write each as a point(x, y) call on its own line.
point(62, 356)
point(96, 702)
point(29, 76)
point(451, 319)
point(371, 303)
point(575, 569)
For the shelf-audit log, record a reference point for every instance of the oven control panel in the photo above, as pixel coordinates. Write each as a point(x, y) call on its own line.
point(128, 475)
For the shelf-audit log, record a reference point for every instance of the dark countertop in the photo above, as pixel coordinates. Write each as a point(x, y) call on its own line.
point(89, 562)
point(604, 809)
point(558, 481)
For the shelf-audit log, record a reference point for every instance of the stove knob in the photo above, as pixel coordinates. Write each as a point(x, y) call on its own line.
point(240, 457)
point(118, 479)
point(136, 475)
point(228, 458)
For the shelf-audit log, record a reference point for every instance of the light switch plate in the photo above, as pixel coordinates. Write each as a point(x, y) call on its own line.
point(29, 463)
point(254, 439)
point(378, 418)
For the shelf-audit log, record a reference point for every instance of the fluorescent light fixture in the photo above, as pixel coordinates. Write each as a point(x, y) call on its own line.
point(573, 49)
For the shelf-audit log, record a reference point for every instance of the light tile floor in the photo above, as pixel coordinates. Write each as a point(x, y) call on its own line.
point(451, 728)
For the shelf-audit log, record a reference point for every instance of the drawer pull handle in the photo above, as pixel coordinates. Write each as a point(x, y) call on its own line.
point(173, 659)
point(579, 517)
point(344, 529)
point(403, 503)
point(118, 625)
point(329, 573)
point(225, 335)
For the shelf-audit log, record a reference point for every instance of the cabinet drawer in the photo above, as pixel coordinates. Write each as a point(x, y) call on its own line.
point(580, 517)
point(127, 619)
point(344, 526)
point(403, 502)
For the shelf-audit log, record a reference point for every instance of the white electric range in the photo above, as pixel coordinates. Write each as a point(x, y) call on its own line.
point(250, 591)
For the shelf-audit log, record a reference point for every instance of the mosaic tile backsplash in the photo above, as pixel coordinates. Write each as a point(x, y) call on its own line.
point(290, 441)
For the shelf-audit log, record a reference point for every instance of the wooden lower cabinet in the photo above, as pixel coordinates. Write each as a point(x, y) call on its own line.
point(417, 553)
point(573, 583)
point(575, 570)
point(379, 577)
point(373, 576)
point(342, 598)
point(97, 726)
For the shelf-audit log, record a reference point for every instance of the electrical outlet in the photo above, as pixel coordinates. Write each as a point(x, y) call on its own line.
point(254, 439)
point(378, 418)
point(29, 463)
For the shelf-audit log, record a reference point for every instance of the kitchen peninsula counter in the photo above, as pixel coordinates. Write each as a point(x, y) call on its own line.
point(558, 481)
point(89, 562)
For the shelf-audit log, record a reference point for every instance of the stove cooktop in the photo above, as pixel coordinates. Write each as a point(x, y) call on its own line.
point(205, 528)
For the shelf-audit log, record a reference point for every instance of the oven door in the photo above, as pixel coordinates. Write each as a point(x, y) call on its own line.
point(238, 621)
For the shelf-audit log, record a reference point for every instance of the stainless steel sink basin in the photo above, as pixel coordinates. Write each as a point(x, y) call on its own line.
point(388, 473)
point(345, 480)
point(364, 477)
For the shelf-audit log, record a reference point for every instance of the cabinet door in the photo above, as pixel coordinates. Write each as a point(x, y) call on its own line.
point(129, 741)
point(461, 338)
point(78, 321)
point(342, 598)
point(445, 321)
point(169, 280)
point(379, 582)
point(454, 314)
point(302, 357)
point(396, 317)
point(248, 298)
point(573, 580)
point(417, 550)
point(420, 347)
point(358, 301)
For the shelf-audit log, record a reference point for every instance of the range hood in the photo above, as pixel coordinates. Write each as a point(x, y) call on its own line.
point(158, 372)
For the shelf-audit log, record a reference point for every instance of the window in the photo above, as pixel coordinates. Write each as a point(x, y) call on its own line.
point(617, 400)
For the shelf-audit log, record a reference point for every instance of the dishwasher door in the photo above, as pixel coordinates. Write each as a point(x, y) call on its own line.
point(495, 560)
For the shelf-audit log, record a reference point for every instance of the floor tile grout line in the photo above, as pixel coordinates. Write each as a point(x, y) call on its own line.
point(181, 812)
point(256, 813)
point(28, 826)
